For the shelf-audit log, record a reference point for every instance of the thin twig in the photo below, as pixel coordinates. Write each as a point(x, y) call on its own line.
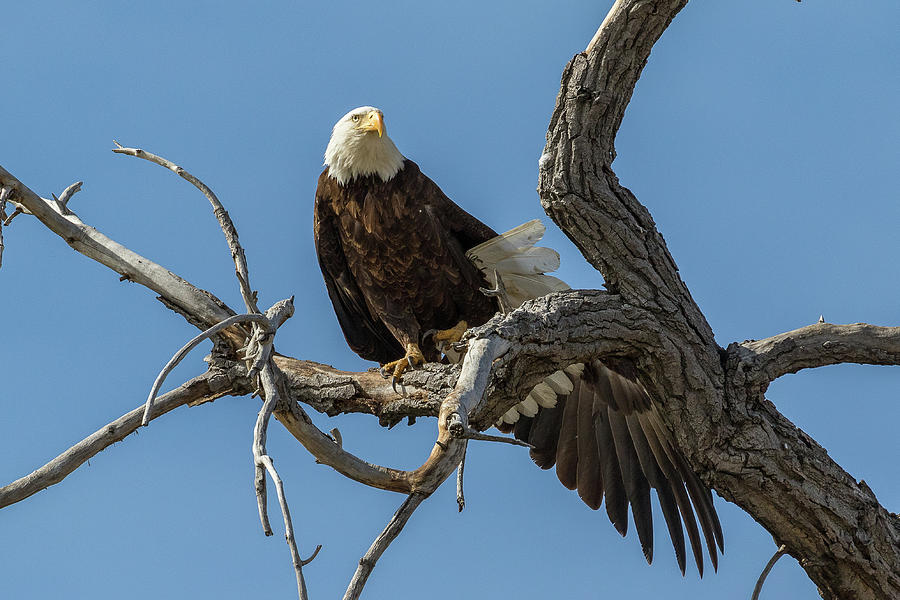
point(460, 496)
point(384, 539)
point(261, 459)
point(231, 235)
point(179, 356)
point(288, 527)
point(260, 432)
point(471, 434)
point(312, 557)
point(4, 194)
point(19, 210)
point(782, 549)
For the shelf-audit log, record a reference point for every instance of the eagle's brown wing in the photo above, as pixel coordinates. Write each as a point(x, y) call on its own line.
point(366, 336)
point(606, 440)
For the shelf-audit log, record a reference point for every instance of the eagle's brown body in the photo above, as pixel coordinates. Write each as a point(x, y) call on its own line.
point(393, 257)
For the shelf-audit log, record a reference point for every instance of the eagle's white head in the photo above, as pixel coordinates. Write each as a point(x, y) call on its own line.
point(359, 146)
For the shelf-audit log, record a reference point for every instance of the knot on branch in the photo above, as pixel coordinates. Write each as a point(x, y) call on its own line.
point(259, 346)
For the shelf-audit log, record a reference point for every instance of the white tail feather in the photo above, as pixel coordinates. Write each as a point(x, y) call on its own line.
point(523, 266)
point(506, 244)
point(521, 287)
point(536, 259)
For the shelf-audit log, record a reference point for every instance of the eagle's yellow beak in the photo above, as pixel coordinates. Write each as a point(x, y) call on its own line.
point(374, 121)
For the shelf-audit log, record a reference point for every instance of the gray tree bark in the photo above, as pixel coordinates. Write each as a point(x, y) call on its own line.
point(714, 400)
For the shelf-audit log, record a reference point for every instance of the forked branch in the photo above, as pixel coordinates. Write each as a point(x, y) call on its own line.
point(179, 356)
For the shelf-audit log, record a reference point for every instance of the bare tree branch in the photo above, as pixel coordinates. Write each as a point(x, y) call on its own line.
point(817, 345)
point(384, 539)
point(460, 474)
point(63, 200)
point(258, 351)
point(765, 572)
point(207, 386)
point(205, 310)
point(333, 392)
point(4, 196)
point(225, 222)
point(263, 460)
point(179, 356)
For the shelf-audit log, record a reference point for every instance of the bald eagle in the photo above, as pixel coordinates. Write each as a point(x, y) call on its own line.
point(405, 267)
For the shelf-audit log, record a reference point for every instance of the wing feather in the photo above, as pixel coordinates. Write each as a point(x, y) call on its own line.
point(632, 452)
point(365, 335)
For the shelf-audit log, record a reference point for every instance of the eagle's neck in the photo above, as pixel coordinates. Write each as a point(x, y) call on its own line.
point(351, 156)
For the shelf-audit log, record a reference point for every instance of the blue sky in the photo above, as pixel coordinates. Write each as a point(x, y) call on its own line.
point(763, 137)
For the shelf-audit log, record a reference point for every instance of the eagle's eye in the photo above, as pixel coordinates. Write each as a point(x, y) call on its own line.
point(355, 118)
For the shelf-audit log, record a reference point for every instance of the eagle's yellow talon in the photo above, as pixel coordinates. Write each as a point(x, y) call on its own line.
point(396, 368)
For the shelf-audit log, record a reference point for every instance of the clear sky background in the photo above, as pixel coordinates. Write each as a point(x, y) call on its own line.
point(763, 136)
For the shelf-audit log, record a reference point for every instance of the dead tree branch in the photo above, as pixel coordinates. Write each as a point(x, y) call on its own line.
point(204, 309)
point(207, 387)
point(263, 460)
point(765, 572)
point(817, 345)
point(225, 222)
point(390, 533)
point(4, 196)
point(179, 356)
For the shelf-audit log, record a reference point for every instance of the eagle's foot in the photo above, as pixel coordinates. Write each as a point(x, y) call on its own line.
point(395, 368)
point(447, 338)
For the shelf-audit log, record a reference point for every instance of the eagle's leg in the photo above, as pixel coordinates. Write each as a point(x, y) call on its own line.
point(446, 337)
point(412, 358)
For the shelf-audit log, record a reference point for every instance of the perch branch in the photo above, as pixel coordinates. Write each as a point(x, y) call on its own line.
point(384, 539)
point(203, 387)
